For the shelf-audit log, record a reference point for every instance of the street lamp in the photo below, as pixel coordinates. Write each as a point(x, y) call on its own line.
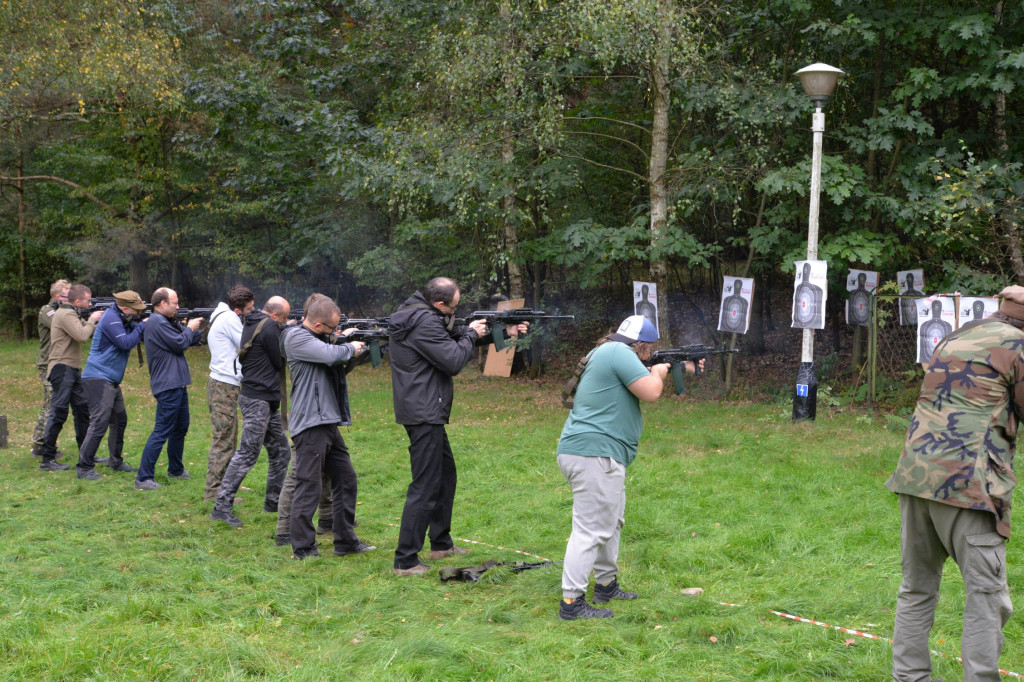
point(819, 81)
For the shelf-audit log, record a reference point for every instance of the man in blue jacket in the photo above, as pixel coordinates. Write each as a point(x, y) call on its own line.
point(319, 406)
point(169, 379)
point(119, 330)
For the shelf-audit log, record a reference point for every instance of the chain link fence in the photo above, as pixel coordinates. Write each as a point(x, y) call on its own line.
point(892, 347)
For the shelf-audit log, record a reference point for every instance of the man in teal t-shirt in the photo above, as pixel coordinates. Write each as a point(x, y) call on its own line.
point(599, 440)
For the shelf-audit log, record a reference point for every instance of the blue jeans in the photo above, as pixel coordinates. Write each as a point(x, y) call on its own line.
point(172, 419)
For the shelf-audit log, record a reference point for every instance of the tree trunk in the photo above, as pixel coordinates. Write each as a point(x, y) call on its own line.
point(25, 328)
point(659, 159)
point(509, 231)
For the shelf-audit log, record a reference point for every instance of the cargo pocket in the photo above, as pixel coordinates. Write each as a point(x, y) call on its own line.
point(308, 466)
point(985, 568)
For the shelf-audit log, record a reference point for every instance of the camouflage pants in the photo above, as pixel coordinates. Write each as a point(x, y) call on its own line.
point(284, 504)
point(261, 427)
point(222, 399)
point(44, 412)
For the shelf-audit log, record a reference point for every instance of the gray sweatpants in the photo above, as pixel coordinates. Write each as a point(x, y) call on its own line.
point(931, 532)
point(598, 487)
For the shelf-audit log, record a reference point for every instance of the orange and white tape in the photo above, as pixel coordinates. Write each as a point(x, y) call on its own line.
point(487, 544)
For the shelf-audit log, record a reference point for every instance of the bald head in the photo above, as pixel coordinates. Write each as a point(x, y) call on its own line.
point(278, 308)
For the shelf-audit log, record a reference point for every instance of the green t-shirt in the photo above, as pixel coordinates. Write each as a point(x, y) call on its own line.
point(605, 420)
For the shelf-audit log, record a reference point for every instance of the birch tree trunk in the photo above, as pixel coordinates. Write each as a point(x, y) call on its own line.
point(661, 100)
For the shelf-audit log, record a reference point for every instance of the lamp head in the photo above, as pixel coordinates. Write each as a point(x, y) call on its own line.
point(819, 81)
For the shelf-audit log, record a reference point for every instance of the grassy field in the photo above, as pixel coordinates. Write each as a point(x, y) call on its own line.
point(99, 581)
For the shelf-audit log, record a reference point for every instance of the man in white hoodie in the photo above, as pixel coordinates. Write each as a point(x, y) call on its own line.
point(224, 336)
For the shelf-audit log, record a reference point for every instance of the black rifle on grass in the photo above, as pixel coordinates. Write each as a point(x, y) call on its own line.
point(497, 319)
point(677, 356)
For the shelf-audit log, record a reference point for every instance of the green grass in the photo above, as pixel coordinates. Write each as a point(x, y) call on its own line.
point(99, 581)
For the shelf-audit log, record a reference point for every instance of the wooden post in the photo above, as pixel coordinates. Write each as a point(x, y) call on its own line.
point(3, 431)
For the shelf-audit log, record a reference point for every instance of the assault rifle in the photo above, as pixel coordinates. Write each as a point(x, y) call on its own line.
point(98, 303)
point(192, 313)
point(363, 322)
point(497, 319)
point(677, 356)
point(373, 338)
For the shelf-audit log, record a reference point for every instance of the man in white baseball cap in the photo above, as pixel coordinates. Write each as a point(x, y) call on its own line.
point(599, 440)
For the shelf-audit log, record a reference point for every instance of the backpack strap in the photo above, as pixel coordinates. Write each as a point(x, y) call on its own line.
point(247, 346)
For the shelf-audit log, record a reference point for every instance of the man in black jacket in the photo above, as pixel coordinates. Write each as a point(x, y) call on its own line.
point(260, 400)
point(427, 350)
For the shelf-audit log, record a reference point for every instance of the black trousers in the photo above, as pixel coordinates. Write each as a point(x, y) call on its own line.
point(321, 450)
point(431, 495)
point(106, 409)
point(67, 392)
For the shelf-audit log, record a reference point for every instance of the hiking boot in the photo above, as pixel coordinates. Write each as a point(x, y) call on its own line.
point(227, 517)
point(579, 608)
point(91, 475)
point(324, 530)
point(182, 476)
point(282, 540)
point(360, 548)
point(307, 555)
point(418, 569)
point(270, 508)
point(436, 554)
point(603, 593)
point(53, 465)
point(124, 466)
point(148, 484)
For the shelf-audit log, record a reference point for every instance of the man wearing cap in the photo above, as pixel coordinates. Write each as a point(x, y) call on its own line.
point(119, 330)
point(599, 440)
point(955, 483)
point(58, 293)
point(427, 350)
point(64, 372)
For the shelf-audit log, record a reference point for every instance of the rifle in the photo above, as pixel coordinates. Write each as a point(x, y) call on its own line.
point(497, 319)
point(363, 322)
point(98, 303)
point(192, 313)
point(676, 357)
point(372, 338)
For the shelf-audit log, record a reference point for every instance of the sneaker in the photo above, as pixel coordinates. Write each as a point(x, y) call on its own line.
point(91, 475)
point(579, 608)
point(603, 593)
point(53, 465)
point(270, 508)
point(148, 484)
point(324, 530)
point(436, 554)
point(227, 517)
point(307, 555)
point(182, 476)
point(418, 569)
point(360, 548)
point(282, 540)
point(124, 466)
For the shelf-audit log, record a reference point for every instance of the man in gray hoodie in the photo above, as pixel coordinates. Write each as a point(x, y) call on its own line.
point(319, 402)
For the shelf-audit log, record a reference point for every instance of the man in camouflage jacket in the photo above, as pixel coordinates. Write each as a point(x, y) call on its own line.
point(955, 483)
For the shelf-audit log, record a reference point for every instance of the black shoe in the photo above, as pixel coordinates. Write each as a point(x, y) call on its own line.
point(227, 517)
point(124, 466)
point(282, 540)
point(53, 465)
point(579, 608)
point(182, 476)
point(91, 475)
point(603, 593)
point(324, 530)
point(302, 557)
point(360, 548)
point(270, 508)
point(101, 460)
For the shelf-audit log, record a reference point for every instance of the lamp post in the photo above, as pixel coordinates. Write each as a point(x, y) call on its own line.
point(819, 81)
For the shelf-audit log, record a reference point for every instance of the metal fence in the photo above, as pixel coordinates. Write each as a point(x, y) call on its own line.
point(892, 347)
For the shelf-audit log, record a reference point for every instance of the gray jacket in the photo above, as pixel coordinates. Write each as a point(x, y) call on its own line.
point(319, 393)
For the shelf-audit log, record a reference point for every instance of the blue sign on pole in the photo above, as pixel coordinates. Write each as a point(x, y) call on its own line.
point(801, 390)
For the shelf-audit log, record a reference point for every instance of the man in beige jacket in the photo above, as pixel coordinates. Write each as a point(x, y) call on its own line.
point(64, 372)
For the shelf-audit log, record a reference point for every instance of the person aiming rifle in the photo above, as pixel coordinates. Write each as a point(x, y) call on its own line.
point(678, 357)
point(599, 440)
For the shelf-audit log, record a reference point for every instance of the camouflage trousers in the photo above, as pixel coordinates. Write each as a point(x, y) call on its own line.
point(222, 399)
point(39, 433)
point(261, 426)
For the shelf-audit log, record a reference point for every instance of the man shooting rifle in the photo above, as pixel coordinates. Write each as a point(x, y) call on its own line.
point(497, 319)
point(677, 357)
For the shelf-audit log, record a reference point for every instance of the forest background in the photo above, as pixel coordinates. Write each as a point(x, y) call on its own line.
point(554, 150)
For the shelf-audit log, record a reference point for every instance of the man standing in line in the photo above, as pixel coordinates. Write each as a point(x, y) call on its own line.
point(224, 338)
point(598, 442)
point(119, 330)
point(169, 379)
point(58, 294)
point(955, 482)
point(427, 350)
point(64, 371)
point(260, 401)
point(319, 407)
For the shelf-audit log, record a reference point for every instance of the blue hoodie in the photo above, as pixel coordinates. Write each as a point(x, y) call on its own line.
point(111, 345)
point(166, 343)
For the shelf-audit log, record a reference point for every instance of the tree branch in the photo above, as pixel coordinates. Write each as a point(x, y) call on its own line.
point(117, 213)
point(603, 118)
point(602, 165)
point(610, 137)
